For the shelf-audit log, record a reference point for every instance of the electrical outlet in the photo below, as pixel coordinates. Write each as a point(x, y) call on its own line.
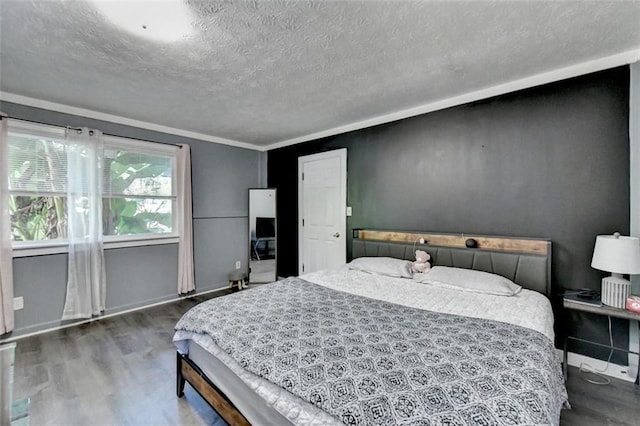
point(18, 303)
point(421, 240)
point(238, 264)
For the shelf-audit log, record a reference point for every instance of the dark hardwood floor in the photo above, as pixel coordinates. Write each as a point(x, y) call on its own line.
point(121, 370)
point(617, 403)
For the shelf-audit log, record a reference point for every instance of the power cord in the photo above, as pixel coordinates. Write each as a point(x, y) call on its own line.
point(586, 368)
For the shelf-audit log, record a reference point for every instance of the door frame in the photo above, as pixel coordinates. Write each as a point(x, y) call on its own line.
point(342, 154)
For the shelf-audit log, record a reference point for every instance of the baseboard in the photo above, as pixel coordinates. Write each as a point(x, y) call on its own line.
point(616, 371)
point(57, 325)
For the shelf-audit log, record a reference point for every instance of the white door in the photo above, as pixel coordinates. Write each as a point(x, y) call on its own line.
point(322, 207)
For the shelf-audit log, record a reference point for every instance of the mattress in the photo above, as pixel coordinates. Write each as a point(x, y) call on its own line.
point(263, 402)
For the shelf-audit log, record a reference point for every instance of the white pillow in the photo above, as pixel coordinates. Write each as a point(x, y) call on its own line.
point(382, 266)
point(469, 280)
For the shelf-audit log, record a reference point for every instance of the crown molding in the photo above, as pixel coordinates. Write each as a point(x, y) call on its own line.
point(623, 58)
point(576, 70)
point(83, 112)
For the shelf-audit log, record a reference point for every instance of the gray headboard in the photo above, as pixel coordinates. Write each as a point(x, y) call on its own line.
point(530, 270)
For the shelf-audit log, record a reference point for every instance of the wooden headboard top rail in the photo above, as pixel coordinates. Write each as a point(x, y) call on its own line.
point(521, 245)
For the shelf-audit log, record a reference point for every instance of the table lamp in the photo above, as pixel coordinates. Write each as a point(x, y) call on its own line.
point(618, 255)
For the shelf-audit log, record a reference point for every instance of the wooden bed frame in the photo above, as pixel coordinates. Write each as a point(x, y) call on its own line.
point(188, 371)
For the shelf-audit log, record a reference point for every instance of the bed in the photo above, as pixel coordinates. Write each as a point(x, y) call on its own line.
point(347, 346)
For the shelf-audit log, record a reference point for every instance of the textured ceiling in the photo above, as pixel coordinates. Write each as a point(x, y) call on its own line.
point(263, 72)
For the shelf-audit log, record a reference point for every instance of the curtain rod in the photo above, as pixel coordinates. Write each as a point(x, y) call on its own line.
point(3, 115)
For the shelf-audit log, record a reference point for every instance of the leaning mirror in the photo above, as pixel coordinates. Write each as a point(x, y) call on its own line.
point(262, 235)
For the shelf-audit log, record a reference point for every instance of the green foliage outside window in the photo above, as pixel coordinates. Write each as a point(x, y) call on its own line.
point(132, 178)
point(137, 187)
point(37, 218)
point(35, 167)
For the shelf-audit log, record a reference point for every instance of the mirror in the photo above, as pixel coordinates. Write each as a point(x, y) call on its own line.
point(262, 235)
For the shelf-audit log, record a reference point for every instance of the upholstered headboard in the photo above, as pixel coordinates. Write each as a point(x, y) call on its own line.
point(529, 267)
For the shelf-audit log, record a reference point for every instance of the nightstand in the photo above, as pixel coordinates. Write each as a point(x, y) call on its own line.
point(598, 310)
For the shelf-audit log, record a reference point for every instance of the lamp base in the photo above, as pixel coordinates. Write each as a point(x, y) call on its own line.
point(615, 291)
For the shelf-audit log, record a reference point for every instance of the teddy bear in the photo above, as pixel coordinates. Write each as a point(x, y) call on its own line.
point(421, 264)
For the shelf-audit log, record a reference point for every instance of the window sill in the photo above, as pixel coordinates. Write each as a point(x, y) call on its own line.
point(61, 248)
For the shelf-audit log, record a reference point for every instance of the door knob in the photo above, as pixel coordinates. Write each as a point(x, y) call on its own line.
point(337, 235)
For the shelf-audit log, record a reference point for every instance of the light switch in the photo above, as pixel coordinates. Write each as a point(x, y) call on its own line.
point(349, 211)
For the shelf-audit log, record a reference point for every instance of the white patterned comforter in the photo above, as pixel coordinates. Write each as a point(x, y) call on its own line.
point(527, 309)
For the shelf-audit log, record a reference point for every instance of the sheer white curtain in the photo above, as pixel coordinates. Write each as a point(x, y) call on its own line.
point(86, 286)
point(6, 256)
point(186, 280)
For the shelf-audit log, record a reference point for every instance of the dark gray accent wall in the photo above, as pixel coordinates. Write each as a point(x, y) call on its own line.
point(139, 276)
point(551, 161)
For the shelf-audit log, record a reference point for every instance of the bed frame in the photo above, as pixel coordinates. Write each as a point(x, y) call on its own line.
point(525, 261)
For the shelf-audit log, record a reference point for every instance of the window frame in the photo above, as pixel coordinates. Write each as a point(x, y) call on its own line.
point(58, 246)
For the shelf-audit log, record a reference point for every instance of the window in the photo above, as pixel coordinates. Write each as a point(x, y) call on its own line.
point(138, 186)
point(37, 185)
point(139, 195)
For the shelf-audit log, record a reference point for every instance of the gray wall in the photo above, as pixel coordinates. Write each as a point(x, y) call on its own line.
point(551, 161)
point(140, 276)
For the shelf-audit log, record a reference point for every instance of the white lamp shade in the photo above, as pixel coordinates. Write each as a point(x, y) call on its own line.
point(617, 254)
